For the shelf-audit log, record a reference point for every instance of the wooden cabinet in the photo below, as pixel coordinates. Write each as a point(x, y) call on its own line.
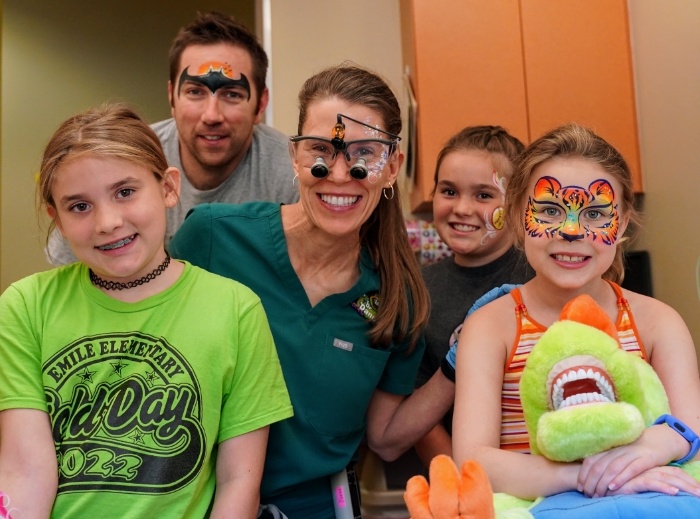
point(527, 65)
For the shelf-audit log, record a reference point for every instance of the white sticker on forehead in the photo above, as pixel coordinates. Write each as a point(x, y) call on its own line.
point(370, 129)
point(373, 133)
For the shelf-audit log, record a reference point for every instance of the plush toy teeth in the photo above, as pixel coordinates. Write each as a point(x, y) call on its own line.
point(581, 385)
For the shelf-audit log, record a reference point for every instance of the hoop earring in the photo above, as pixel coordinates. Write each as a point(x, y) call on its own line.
point(296, 176)
point(392, 192)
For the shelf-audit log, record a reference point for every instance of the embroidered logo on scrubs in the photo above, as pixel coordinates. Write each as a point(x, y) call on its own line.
point(367, 305)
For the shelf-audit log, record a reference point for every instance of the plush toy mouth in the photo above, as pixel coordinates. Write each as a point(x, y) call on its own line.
point(580, 385)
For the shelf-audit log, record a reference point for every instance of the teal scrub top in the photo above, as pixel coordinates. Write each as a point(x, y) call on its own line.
point(330, 368)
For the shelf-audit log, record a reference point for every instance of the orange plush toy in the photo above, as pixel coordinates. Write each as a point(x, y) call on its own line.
point(453, 495)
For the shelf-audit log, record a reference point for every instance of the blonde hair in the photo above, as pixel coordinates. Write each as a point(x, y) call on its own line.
point(571, 141)
point(111, 130)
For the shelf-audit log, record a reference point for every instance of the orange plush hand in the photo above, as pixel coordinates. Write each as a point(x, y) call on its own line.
point(451, 495)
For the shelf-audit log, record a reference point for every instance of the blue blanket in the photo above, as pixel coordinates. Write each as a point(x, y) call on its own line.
point(652, 505)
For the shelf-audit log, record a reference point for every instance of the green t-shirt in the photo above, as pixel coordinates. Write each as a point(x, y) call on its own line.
point(329, 364)
point(139, 394)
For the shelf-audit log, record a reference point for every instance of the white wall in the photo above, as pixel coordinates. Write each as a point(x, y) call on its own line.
point(665, 42)
point(308, 35)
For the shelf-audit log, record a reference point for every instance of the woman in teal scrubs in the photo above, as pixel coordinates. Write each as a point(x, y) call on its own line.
point(341, 287)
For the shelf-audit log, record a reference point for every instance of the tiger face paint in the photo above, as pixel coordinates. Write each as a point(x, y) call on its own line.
point(573, 212)
point(215, 75)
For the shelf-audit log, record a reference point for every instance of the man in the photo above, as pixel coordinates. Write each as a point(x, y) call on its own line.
point(215, 138)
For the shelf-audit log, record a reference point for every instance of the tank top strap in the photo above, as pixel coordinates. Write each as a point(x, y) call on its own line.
point(628, 334)
point(518, 298)
point(621, 301)
point(623, 305)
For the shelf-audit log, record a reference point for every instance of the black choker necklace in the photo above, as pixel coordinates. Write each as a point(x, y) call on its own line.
point(113, 285)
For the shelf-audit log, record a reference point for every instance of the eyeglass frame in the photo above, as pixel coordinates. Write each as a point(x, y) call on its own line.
point(358, 171)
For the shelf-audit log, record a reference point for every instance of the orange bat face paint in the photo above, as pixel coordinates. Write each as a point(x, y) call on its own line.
point(215, 75)
point(573, 212)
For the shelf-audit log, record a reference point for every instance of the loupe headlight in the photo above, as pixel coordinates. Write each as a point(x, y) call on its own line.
point(320, 168)
point(359, 170)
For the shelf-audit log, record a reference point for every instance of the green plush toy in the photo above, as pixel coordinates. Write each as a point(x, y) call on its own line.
point(582, 394)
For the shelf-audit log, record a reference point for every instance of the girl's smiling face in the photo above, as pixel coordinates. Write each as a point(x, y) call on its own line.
point(572, 220)
point(112, 212)
point(468, 207)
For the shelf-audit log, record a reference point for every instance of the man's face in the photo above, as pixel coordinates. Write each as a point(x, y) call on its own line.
point(215, 106)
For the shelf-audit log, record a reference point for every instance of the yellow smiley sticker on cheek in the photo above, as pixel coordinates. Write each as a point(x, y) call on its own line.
point(499, 218)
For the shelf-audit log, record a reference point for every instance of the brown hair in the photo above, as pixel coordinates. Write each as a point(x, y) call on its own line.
point(112, 130)
point(215, 27)
point(571, 141)
point(495, 140)
point(404, 304)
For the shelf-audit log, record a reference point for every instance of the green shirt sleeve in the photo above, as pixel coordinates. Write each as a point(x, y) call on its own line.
point(20, 367)
point(257, 394)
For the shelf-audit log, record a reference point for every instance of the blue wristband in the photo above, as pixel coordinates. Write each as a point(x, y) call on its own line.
point(685, 431)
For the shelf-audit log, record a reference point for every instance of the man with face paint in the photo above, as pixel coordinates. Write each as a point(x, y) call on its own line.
point(215, 137)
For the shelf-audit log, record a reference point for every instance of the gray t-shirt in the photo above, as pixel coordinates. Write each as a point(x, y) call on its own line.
point(265, 174)
point(453, 290)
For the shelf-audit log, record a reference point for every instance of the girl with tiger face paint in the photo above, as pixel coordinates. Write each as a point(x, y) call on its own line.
point(570, 201)
point(571, 231)
point(542, 203)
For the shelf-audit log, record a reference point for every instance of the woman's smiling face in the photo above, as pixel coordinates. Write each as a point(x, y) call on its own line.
point(338, 203)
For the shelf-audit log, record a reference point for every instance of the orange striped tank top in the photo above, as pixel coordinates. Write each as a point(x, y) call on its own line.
point(514, 435)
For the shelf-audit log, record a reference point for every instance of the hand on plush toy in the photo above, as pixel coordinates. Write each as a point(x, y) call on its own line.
point(452, 494)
